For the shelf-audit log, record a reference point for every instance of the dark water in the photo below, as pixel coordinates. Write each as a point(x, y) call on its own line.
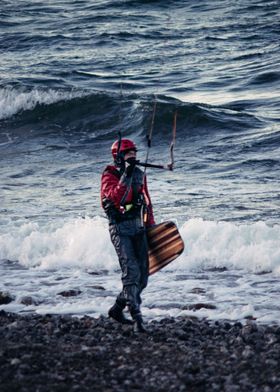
point(74, 73)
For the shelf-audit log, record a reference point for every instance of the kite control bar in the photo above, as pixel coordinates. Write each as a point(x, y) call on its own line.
point(145, 164)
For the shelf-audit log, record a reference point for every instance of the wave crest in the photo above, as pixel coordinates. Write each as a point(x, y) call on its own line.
point(13, 101)
point(85, 243)
point(81, 112)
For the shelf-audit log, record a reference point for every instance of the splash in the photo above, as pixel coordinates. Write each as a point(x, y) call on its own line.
point(13, 101)
point(85, 243)
point(252, 247)
point(80, 243)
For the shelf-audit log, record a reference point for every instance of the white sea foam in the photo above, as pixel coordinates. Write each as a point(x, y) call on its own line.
point(13, 101)
point(253, 247)
point(66, 255)
point(85, 243)
point(81, 243)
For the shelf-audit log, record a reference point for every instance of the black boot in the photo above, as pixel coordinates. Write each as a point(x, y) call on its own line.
point(116, 312)
point(138, 324)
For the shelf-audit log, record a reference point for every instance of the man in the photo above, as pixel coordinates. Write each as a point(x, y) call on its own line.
point(126, 201)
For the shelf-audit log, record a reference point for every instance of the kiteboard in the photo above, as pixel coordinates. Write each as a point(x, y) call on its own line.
point(165, 245)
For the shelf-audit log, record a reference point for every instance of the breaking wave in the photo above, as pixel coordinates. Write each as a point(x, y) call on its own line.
point(13, 101)
point(83, 111)
point(85, 243)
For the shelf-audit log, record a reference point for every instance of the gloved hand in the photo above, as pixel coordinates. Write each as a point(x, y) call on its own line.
point(119, 160)
point(130, 165)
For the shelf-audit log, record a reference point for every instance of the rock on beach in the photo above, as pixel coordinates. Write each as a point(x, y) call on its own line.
point(63, 353)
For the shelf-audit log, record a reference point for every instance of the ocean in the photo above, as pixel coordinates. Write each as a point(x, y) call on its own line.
point(75, 73)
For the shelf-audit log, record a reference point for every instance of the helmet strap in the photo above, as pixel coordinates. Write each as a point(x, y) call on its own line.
point(119, 162)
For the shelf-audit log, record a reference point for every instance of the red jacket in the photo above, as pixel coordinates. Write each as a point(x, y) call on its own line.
point(118, 190)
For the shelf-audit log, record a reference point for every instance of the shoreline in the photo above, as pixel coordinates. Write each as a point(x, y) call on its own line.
point(64, 353)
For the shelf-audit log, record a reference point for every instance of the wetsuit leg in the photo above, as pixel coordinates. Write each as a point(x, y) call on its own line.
point(131, 274)
point(141, 250)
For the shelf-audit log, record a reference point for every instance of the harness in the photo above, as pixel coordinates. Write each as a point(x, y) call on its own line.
point(127, 211)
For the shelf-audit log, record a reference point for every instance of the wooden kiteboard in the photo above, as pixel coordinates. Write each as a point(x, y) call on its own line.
point(165, 245)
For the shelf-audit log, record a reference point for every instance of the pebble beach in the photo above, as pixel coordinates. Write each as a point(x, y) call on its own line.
point(63, 353)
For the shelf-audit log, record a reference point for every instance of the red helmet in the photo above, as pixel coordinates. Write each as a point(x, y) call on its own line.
point(126, 145)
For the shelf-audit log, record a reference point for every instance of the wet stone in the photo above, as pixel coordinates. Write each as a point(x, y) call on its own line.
point(69, 293)
point(182, 354)
point(96, 287)
point(199, 306)
point(5, 298)
point(28, 300)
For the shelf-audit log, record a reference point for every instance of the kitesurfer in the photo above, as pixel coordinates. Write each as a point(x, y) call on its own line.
point(126, 201)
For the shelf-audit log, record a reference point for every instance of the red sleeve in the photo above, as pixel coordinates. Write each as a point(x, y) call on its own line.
point(151, 220)
point(112, 187)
